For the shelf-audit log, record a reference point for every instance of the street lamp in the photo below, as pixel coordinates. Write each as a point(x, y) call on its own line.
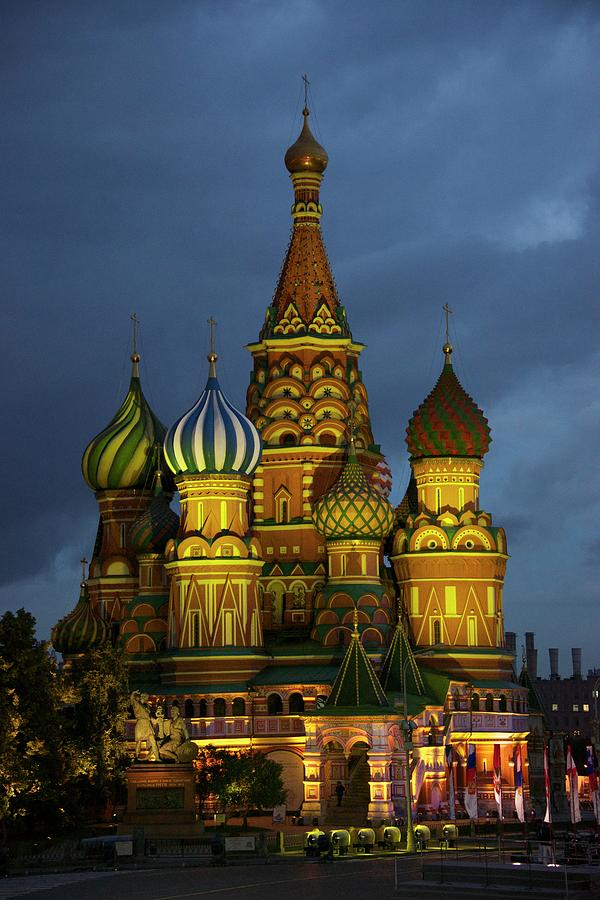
point(407, 728)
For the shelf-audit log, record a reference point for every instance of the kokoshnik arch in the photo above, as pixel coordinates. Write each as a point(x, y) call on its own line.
point(288, 603)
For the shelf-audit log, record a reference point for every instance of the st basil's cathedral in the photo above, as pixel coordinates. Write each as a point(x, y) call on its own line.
point(289, 607)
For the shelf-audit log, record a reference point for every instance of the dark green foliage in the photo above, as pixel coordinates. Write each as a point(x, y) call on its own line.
point(61, 748)
point(239, 779)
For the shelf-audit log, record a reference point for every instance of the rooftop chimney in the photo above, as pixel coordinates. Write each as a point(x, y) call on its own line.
point(510, 641)
point(576, 655)
point(553, 652)
point(529, 642)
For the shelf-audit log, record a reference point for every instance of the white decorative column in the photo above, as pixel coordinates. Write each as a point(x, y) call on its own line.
point(380, 785)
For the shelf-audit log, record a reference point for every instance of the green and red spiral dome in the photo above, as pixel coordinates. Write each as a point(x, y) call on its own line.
point(448, 422)
point(81, 629)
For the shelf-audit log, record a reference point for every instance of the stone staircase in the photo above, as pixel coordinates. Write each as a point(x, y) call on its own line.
point(355, 805)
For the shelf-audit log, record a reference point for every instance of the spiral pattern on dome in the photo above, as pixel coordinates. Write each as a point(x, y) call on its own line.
point(121, 455)
point(156, 525)
point(448, 422)
point(212, 437)
point(81, 629)
point(353, 508)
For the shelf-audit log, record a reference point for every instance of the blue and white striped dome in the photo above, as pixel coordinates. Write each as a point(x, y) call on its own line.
point(212, 436)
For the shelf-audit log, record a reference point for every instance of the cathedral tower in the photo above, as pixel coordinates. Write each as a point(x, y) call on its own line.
point(119, 466)
point(214, 562)
point(305, 386)
point(448, 558)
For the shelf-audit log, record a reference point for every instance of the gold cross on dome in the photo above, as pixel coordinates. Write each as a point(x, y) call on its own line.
point(83, 562)
point(306, 84)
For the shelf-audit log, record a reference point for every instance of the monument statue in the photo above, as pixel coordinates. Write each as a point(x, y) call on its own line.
point(144, 729)
point(167, 740)
point(177, 746)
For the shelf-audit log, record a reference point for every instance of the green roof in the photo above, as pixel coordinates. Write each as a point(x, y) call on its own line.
point(535, 703)
point(296, 675)
point(393, 670)
point(356, 686)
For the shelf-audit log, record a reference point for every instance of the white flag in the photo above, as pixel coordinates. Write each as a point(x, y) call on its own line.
point(573, 787)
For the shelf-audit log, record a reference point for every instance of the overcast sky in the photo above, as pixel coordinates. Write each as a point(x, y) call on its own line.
point(142, 170)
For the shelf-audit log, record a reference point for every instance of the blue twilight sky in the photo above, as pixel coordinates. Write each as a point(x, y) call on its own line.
point(142, 169)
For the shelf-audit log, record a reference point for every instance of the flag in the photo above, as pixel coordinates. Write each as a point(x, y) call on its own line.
point(450, 780)
point(471, 788)
point(592, 774)
point(498, 780)
point(573, 787)
point(519, 804)
point(548, 816)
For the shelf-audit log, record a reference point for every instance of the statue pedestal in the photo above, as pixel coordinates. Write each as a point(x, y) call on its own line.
point(160, 799)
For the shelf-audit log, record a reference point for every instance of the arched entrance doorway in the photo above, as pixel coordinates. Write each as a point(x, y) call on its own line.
point(353, 771)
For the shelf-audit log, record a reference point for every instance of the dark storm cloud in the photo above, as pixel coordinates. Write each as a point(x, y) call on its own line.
point(142, 169)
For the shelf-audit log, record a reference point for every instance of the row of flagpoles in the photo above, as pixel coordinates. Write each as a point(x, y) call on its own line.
point(470, 798)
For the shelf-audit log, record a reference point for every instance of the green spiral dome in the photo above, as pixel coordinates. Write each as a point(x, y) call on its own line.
point(353, 509)
point(121, 456)
point(81, 629)
point(156, 525)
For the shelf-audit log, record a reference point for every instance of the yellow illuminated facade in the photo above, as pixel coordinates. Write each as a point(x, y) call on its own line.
point(289, 608)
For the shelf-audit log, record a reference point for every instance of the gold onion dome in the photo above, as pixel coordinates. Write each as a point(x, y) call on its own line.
point(353, 508)
point(448, 422)
point(121, 456)
point(306, 154)
point(81, 629)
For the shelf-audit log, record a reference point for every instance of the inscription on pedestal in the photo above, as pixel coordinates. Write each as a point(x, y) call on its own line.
point(159, 798)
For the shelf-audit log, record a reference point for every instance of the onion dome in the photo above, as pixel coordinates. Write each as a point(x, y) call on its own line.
point(81, 629)
point(212, 436)
point(156, 525)
point(353, 508)
point(306, 154)
point(120, 456)
point(448, 422)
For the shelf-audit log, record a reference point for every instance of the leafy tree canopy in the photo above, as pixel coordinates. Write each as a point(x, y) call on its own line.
point(239, 779)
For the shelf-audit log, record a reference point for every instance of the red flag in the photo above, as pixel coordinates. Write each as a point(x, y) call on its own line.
point(498, 779)
point(548, 816)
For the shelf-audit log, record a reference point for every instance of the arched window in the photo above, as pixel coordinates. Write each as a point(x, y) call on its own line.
point(239, 707)
point(284, 512)
point(327, 439)
point(489, 702)
point(296, 703)
point(203, 708)
point(274, 705)
point(475, 702)
point(502, 704)
point(437, 631)
point(188, 709)
point(343, 564)
point(219, 708)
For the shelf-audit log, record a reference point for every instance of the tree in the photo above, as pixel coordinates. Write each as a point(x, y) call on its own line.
point(97, 712)
point(239, 779)
point(32, 765)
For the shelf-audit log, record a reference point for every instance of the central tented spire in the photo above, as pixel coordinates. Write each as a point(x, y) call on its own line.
point(306, 298)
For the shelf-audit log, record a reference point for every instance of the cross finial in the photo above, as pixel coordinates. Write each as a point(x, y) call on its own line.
point(212, 356)
point(83, 562)
point(352, 420)
point(136, 331)
point(306, 84)
point(447, 346)
point(448, 312)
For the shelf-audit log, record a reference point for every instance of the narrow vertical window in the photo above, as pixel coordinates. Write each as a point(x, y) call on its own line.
point(343, 564)
point(123, 535)
point(363, 563)
point(472, 631)
point(437, 632)
point(194, 629)
point(491, 600)
point(438, 500)
point(414, 601)
point(223, 515)
point(461, 499)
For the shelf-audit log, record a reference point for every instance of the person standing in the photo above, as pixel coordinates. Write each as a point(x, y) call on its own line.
point(340, 790)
